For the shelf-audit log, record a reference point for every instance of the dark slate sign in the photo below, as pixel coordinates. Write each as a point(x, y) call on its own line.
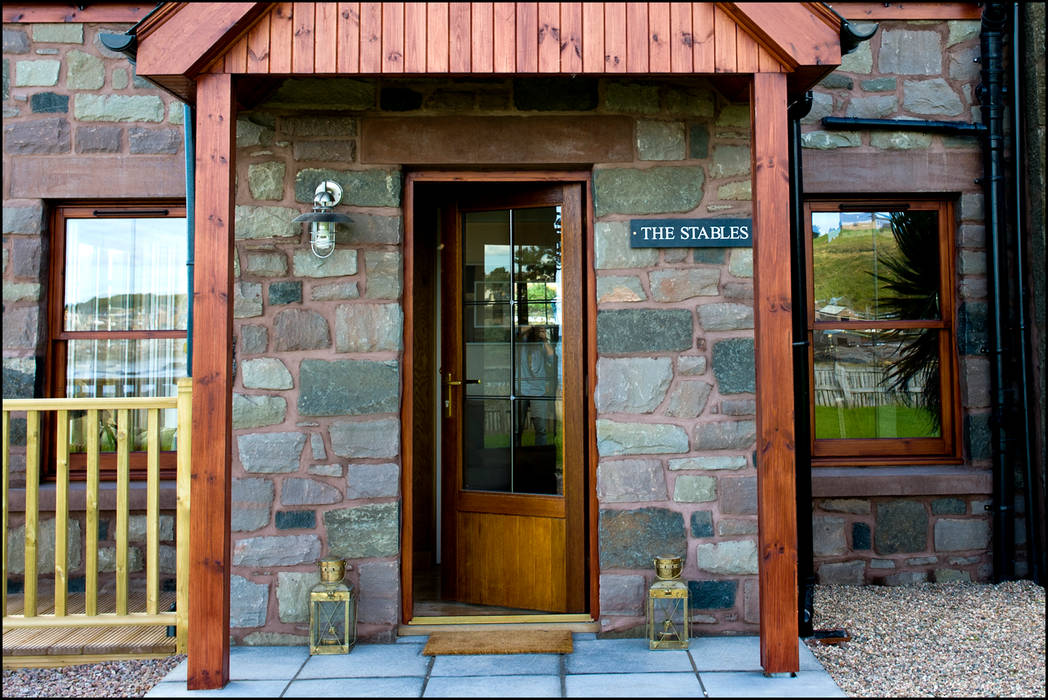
point(690, 233)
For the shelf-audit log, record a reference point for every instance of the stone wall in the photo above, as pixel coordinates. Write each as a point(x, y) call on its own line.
point(78, 124)
point(675, 395)
point(911, 70)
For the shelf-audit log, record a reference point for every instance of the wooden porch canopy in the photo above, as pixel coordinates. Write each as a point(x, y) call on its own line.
point(200, 51)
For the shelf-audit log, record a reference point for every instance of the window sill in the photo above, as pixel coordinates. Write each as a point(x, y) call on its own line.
point(106, 497)
point(924, 480)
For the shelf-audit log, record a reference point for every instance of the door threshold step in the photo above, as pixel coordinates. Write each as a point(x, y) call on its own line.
point(415, 629)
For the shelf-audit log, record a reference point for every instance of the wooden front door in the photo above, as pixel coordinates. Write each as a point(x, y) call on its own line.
point(513, 398)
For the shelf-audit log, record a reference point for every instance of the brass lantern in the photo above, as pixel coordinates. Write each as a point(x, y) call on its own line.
point(332, 611)
point(669, 616)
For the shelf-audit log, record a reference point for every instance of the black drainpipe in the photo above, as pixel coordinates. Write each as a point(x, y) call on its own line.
point(991, 96)
point(801, 394)
point(1033, 533)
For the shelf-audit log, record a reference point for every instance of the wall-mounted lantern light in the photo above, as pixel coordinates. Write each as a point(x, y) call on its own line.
point(322, 220)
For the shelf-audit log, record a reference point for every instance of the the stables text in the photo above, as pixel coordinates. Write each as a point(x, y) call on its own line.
point(690, 233)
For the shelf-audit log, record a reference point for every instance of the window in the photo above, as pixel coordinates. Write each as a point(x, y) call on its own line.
point(118, 319)
point(881, 325)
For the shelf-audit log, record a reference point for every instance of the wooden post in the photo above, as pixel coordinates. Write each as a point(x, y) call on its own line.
point(776, 500)
point(212, 384)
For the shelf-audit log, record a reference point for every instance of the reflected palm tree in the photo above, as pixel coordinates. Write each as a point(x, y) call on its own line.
point(911, 278)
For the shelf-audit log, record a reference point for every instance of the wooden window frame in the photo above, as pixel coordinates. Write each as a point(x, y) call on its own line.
point(945, 449)
point(58, 337)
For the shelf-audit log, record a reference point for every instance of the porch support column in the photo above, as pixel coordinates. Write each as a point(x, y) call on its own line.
point(776, 504)
point(212, 385)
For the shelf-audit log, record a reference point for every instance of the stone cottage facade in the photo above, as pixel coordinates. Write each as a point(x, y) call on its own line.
point(317, 472)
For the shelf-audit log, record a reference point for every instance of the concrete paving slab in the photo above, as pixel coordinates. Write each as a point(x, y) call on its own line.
point(367, 661)
point(739, 654)
point(233, 689)
point(633, 685)
point(496, 665)
point(624, 656)
point(746, 684)
point(494, 687)
point(410, 687)
point(266, 663)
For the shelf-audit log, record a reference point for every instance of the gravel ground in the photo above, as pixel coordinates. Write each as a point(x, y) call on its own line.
point(935, 640)
point(932, 640)
point(112, 679)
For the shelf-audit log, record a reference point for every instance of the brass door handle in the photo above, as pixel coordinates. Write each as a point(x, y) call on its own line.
point(449, 412)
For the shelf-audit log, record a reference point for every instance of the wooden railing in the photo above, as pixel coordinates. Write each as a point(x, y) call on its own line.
point(91, 617)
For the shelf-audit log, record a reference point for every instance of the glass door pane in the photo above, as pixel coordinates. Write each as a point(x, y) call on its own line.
point(512, 336)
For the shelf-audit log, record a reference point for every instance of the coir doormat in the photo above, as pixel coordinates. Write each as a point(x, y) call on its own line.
point(514, 641)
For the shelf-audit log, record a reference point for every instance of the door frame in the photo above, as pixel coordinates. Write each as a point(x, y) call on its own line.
point(589, 310)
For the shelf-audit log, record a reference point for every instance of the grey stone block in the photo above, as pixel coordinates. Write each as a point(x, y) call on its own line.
point(657, 140)
point(858, 506)
point(733, 366)
point(932, 97)
point(265, 373)
point(630, 539)
point(909, 52)
point(617, 438)
point(955, 535)
point(271, 452)
point(37, 137)
point(247, 299)
point(826, 140)
point(300, 329)
point(725, 316)
point(371, 530)
point(267, 222)
point(293, 594)
point(729, 557)
point(619, 289)
point(15, 41)
point(281, 293)
point(383, 269)
point(266, 180)
point(368, 327)
point(828, 536)
point(348, 387)
point(372, 480)
point(678, 285)
point(622, 594)
point(738, 495)
point(844, 573)
point(688, 399)
point(301, 492)
point(709, 595)
point(363, 439)
point(336, 291)
point(99, 139)
point(702, 523)
point(949, 506)
point(632, 384)
point(689, 488)
point(48, 103)
point(281, 550)
point(725, 435)
point(118, 108)
point(631, 480)
point(247, 602)
point(39, 73)
point(901, 527)
point(655, 190)
point(612, 251)
point(644, 330)
point(253, 339)
point(708, 463)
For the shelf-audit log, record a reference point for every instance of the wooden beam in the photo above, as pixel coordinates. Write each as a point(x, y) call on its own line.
point(776, 500)
point(792, 33)
point(873, 11)
point(72, 12)
point(194, 36)
point(212, 384)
